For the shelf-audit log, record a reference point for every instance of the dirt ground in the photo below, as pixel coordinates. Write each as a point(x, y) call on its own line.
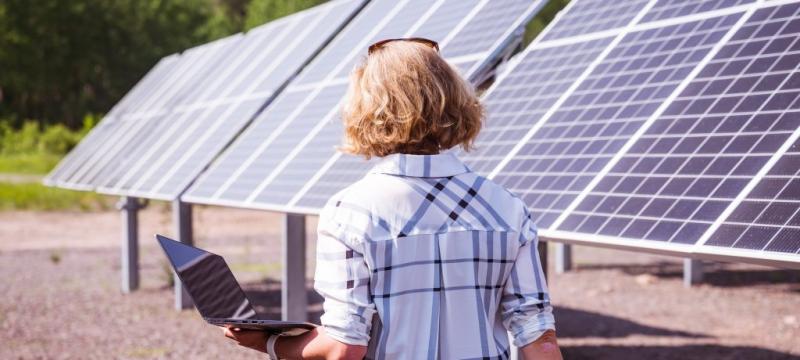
point(60, 298)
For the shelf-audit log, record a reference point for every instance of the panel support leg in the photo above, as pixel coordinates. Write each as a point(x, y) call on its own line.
point(129, 208)
point(692, 272)
point(182, 219)
point(563, 258)
point(294, 301)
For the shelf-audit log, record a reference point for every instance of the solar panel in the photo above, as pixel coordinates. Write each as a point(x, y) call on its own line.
point(593, 16)
point(127, 124)
point(168, 143)
point(100, 133)
point(290, 142)
point(680, 175)
point(676, 8)
point(200, 62)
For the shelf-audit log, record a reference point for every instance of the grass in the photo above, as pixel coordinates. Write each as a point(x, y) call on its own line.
point(35, 196)
point(35, 163)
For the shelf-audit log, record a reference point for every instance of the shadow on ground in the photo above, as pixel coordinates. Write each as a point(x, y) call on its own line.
point(683, 352)
point(573, 323)
point(715, 274)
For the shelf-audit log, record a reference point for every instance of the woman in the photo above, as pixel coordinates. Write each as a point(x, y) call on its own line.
point(421, 258)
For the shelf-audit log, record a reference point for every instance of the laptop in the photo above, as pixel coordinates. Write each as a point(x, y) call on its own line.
point(216, 293)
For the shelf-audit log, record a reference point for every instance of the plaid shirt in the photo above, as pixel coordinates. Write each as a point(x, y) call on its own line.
point(423, 259)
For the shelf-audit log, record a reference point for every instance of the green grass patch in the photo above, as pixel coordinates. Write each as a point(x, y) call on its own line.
point(35, 163)
point(35, 196)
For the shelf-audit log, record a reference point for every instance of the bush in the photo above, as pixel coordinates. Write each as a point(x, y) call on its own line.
point(57, 139)
point(35, 150)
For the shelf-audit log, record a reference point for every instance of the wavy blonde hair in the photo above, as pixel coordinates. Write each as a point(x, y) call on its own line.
point(405, 98)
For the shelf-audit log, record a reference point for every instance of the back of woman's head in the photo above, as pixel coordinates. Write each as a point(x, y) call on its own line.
point(405, 98)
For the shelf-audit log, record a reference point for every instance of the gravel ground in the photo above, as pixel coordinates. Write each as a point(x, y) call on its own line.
point(60, 296)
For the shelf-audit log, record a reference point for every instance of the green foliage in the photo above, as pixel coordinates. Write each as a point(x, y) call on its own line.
point(34, 196)
point(262, 11)
point(62, 59)
point(35, 150)
point(544, 17)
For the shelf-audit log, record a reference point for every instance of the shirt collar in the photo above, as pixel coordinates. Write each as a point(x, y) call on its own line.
point(439, 165)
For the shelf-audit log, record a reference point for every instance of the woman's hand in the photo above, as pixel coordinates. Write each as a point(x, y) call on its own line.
point(253, 339)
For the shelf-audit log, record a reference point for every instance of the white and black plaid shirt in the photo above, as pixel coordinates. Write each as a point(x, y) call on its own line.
point(445, 259)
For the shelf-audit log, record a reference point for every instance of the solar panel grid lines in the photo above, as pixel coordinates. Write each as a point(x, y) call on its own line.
point(156, 154)
point(699, 166)
point(127, 124)
point(565, 95)
point(766, 214)
point(95, 137)
point(328, 118)
point(146, 153)
point(624, 149)
point(208, 56)
point(674, 9)
point(315, 158)
point(763, 216)
point(523, 96)
point(309, 96)
point(596, 16)
point(501, 43)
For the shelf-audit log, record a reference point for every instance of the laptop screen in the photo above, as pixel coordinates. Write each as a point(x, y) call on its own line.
point(209, 281)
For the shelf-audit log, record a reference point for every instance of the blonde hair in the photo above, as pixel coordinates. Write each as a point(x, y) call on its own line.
point(405, 98)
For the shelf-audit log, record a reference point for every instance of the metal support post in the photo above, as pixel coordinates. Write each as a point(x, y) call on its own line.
point(182, 219)
point(129, 207)
point(563, 258)
point(692, 272)
point(294, 301)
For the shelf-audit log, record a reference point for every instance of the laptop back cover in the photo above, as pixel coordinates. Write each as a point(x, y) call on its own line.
point(208, 280)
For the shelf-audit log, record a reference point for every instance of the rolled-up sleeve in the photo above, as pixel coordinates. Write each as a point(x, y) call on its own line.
point(342, 278)
point(526, 308)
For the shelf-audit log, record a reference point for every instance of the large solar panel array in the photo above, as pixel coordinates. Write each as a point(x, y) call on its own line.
point(209, 94)
point(678, 136)
point(281, 155)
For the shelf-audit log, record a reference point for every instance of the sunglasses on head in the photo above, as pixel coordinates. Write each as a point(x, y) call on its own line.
point(427, 42)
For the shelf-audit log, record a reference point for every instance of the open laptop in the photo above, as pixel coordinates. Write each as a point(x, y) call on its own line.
point(217, 294)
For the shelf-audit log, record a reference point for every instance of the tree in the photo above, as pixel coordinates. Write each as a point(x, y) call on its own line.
point(261, 11)
point(63, 59)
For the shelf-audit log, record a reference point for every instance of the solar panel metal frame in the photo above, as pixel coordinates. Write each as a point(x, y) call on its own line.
point(496, 50)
